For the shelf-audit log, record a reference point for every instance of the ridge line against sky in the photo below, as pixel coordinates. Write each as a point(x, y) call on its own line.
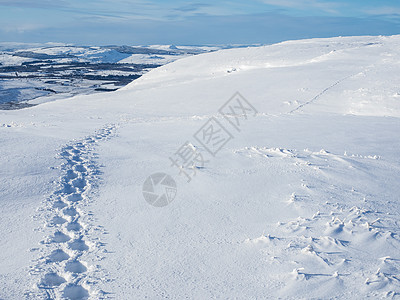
point(185, 22)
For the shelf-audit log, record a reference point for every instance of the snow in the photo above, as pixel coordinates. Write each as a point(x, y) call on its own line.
point(10, 60)
point(302, 203)
point(149, 59)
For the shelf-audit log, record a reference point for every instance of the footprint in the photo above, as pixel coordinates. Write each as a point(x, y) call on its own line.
point(59, 204)
point(76, 158)
point(58, 255)
point(52, 280)
point(74, 226)
point(65, 154)
point(74, 198)
point(60, 237)
point(75, 267)
point(70, 211)
point(75, 292)
point(71, 175)
point(90, 140)
point(79, 183)
point(78, 245)
point(57, 220)
point(67, 189)
point(80, 168)
point(79, 145)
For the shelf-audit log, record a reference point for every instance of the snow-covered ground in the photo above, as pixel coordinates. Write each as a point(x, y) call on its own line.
point(300, 201)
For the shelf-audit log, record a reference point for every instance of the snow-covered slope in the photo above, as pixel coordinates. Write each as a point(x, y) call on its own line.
point(302, 201)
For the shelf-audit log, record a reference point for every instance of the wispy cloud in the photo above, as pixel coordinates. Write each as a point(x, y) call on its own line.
point(21, 28)
point(384, 10)
point(34, 4)
point(90, 10)
point(192, 7)
point(326, 6)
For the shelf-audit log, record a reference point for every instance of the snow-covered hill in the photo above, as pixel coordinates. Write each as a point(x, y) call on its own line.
point(293, 185)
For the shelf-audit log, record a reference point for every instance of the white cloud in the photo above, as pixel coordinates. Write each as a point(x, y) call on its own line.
point(384, 10)
point(34, 4)
point(329, 7)
point(21, 27)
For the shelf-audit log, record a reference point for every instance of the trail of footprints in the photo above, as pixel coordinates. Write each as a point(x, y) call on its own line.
point(64, 272)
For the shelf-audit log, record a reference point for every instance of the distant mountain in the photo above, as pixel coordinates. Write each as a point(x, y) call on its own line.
point(41, 73)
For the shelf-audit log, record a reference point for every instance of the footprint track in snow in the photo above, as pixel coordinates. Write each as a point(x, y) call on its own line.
point(63, 272)
point(57, 256)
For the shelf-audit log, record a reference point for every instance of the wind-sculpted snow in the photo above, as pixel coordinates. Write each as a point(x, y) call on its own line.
point(350, 240)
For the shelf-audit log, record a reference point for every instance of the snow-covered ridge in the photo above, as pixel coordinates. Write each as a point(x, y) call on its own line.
point(362, 61)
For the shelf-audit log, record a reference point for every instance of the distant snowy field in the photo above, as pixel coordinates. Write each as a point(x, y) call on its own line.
point(35, 73)
point(302, 202)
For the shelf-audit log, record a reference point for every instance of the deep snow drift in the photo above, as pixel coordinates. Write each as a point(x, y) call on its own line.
point(300, 201)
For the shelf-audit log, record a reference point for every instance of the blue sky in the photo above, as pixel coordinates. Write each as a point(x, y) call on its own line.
point(132, 22)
